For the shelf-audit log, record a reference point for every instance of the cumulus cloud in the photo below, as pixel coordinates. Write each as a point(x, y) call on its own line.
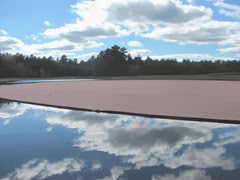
point(151, 11)
point(55, 45)
point(8, 44)
point(134, 43)
point(230, 50)
point(141, 52)
point(41, 169)
point(168, 20)
point(164, 11)
point(140, 16)
point(212, 32)
point(82, 31)
point(92, 44)
point(3, 32)
point(228, 9)
point(53, 48)
point(86, 56)
point(70, 39)
point(47, 23)
point(196, 57)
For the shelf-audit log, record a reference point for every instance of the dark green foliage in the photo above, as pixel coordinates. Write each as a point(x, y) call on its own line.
point(111, 62)
point(31, 66)
point(114, 61)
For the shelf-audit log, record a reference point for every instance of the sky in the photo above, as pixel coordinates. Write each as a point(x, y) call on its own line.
point(193, 29)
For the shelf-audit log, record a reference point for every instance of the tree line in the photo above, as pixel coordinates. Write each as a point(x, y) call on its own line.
point(114, 61)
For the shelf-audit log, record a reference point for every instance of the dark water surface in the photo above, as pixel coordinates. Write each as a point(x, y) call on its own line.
point(47, 80)
point(38, 142)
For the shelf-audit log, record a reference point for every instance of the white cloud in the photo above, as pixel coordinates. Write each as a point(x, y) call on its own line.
point(151, 11)
point(139, 16)
point(53, 48)
point(164, 11)
point(41, 169)
point(211, 32)
point(134, 43)
point(47, 23)
point(82, 31)
point(228, 9)
point(59, 45)
point(92, 44)
point(141, 52)
point(86, 56)
point(8, 44)
point(151, 19)
point(167, 20)
point(230, 50)
point(196, 57)
point(3, 32)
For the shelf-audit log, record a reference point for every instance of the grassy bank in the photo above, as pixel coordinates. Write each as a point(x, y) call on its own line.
point(3, 80)
point(216, 76)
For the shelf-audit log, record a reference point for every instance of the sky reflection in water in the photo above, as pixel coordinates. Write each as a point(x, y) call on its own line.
point(38, 142)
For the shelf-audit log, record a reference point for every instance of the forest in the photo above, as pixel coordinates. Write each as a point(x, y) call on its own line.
point(114, 61)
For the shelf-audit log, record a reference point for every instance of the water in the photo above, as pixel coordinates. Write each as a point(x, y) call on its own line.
point(38, 142)
point(48, 80)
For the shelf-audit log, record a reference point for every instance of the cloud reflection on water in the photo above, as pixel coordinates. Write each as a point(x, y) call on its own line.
point(139, 142)
point(41, 169)
point(146, 142)
point(191, 174)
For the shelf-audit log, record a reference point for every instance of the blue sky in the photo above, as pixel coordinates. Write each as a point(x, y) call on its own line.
point(194, 29)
